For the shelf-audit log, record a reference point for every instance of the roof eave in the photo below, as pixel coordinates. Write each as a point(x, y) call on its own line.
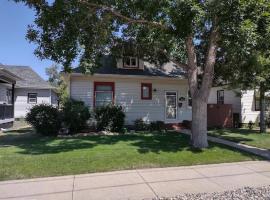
point(129, 76)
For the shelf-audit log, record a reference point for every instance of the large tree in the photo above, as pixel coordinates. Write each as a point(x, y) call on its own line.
point(186, 32)
point(249, 68)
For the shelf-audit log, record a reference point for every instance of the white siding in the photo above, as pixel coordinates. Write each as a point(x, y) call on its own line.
point(248, 107)
point(21, 104)
point(128, 94)
point(230, 97)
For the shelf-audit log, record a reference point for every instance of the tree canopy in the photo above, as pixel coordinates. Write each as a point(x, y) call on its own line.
point(193, 34)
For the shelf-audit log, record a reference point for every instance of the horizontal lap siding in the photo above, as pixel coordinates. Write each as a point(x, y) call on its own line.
point(82, 89)
point(248, 107)
point(230, 97)
point(128, 94)
point(21, 97)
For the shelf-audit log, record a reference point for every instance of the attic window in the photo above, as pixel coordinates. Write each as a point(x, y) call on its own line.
point(130, 62)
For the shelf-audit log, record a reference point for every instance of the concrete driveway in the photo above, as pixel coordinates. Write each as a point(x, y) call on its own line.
point(141, 184)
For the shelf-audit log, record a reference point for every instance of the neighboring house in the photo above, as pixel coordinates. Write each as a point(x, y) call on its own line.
point(30, 90)
point(245, 104)
point(7, 85)
point(144, 90)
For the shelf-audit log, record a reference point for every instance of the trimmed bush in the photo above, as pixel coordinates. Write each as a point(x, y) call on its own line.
point(75, 115)
point(110, 118)
point(186, 124)
point(157, 126)
point(45, 119)
point(140, 125)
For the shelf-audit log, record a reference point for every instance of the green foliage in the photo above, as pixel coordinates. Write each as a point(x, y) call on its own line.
point(250, 125)
point(140, 125)
point(62, 91)
point(110, 118)
point(157, 126)
point(65, 30)
point(54, 76)
point(75, 115)
point(45, 119)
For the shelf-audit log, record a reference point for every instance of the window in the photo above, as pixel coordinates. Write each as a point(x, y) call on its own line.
point(103, 93)
point(189, 99)
point(32, 98)
point(146, 91)
point(130, 62)
point(220, 97)
point(9, 96)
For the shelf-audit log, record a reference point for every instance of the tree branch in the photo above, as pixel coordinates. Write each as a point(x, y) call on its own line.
point(192, 69)
point(123, 17)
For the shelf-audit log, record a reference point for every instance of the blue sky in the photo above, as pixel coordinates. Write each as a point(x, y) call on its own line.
point(14, 48)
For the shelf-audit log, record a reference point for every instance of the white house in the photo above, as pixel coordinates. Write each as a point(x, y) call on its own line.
point(30, 90)
point(144, 90)
point(244, 103)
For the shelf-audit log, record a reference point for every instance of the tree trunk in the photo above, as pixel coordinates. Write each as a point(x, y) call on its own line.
point(199, 123)
point(262, 108)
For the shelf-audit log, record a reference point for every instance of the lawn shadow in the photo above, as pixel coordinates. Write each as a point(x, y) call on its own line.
point(235, 135)
point(33, 144)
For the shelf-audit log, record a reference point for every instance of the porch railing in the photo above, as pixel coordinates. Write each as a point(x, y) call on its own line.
point(6, 111)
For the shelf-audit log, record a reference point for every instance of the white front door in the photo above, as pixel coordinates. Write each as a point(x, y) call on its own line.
point(171, 105)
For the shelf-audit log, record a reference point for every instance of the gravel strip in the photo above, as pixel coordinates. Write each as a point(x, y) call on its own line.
point(260, 193)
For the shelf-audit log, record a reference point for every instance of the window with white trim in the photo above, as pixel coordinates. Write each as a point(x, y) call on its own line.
point(130, 62)
point(32, 98)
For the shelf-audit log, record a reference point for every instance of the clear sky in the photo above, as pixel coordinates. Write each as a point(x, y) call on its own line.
point(14, 48)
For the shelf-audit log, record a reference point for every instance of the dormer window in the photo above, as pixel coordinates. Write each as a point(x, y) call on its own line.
point(130, 62)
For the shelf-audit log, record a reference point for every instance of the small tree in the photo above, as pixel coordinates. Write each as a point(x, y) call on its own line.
point(56, 80)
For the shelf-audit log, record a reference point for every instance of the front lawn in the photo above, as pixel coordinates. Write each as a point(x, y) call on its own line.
point(244, 136)
point(26, 155)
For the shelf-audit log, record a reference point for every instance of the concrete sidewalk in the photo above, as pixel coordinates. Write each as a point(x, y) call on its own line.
point(141, 184)
point(264, 153)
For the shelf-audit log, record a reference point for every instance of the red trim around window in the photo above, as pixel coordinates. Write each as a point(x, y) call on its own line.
point(103, 83)
point(149, 85)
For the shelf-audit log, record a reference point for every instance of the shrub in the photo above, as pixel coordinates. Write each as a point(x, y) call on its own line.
point(110, 118)
point(140, 125)
point(45, 119)
point(250, 125)
point(75, 115)
point(186, 124)
point(157, 126)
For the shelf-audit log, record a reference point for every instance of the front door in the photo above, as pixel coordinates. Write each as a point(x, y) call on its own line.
point(171, 105)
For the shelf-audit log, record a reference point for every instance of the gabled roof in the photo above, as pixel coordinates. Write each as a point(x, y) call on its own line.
point(29, 78)
point(108, 65)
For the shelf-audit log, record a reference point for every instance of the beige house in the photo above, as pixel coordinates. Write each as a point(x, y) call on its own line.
point(143, 90)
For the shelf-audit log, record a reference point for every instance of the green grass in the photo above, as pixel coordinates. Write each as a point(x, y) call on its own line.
point(244, 136)
point(26, 155)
